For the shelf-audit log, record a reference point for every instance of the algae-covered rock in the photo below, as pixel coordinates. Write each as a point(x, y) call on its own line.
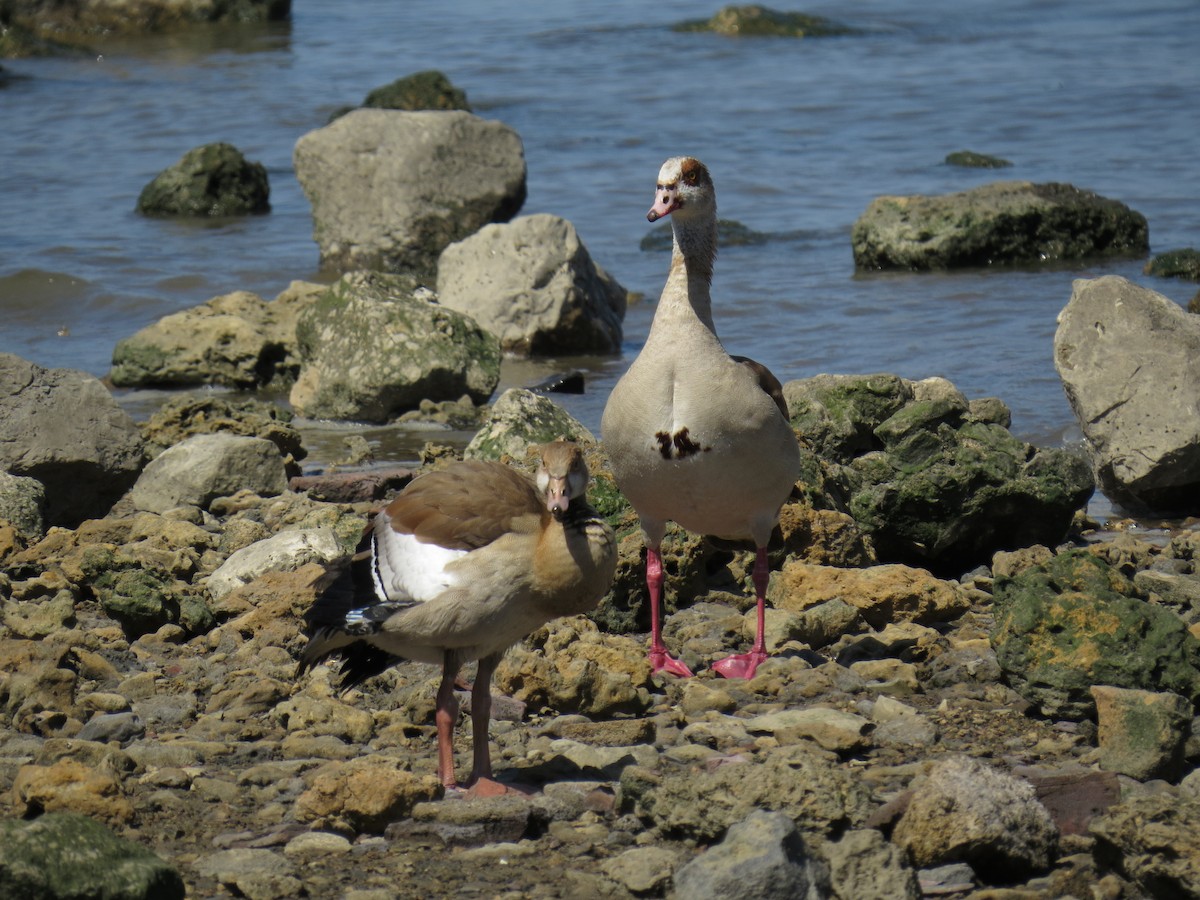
point(1012, 222)
point(1183, 264)
point(63, 854)
point(429, 89)
point(211, 180)
point(1074, 622)
point(143, 600)
point(761, 21)
point(969, 159)
point(520, 419)
point(376, 345)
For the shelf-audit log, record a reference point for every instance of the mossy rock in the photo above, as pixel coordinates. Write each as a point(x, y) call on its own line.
point(969, 159)
point(1183, 264)
point(430, 89)
point(761, 21)
point(142, 601)
point(213, 180)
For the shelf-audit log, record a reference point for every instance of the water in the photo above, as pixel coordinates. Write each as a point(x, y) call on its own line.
point(800, 137)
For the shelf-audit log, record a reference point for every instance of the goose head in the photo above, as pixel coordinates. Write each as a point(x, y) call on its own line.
point(562, 476)
point(684, 189)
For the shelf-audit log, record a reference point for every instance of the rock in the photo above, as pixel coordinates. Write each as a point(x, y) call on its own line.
point(363, 795)
point(863, 865)
point(1153, 840)
point(67, 855)
point(286, 551)
point(1073, 795)
point(763, 856)
point(22, 501)
point(1071, 623)
point(211, 181)
point(390, 190)
point(643, 870)
point(71, 786)
point(207, 466)
point(519, 420)
point(121, 727)
point(1142, 734)
point(352, 487)
point(1002, 223)
point(832, 729)
point(1126, 355)
point(183, 416)
point(429, 89)
point(144, 600)
point(972, 160)
point(252, 872)
point(64, 429)
point(237, 340)
point(964, 810)
point(1183, 264)
point(702, 802)
point(934, 480)
point(760, 21)
point(76, 19)
point(882, 594)
point(532, 283)
point(376, 345)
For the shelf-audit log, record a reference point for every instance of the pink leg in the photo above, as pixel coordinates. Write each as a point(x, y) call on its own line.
point(743, 665)
point(660, 659)
point(446, 718)
point(481, 717)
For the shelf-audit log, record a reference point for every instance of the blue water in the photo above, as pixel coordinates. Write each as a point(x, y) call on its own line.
point(800, 137)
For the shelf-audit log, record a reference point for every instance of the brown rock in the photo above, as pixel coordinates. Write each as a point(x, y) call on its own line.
point(884, 594)
point(70, 785)
point(364, 795)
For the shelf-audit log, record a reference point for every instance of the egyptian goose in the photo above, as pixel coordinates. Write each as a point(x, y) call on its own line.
point(464, 563)
point(694, 435)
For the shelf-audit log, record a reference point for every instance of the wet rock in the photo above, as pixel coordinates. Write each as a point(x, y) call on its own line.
point(761, 21)
point(214, 180)
point(285, 551)
point(429, 89)
point(532, 283)
point(1072, 623)
point(78, 19)
point(761, 856)
point(363, 795)
point(971, 160)
point(1125, 354)
point(520, 419)
point(376, 345)
point(1002, 223)
point(207, 466)
point(1154, 840)
point(964, 810)
point(1142, 734)
point(71, 786)
point(352, 487)
point(237, 340)
point(1183, 263)
point(64, 429)
point(390, 190)
point(63, 854)
point(935, 480)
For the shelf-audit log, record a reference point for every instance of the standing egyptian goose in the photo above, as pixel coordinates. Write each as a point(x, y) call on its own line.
point(464, 563)
point(697, 436)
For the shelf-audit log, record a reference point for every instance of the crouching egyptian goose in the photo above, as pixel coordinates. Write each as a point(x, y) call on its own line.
point(694, 435)
point(464, 563)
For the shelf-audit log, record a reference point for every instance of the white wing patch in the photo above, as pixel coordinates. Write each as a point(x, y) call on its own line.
point(404, 567)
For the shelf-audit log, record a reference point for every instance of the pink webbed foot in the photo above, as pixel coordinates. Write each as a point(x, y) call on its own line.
point(740, 665)
point(662, 661)
point(489, 787)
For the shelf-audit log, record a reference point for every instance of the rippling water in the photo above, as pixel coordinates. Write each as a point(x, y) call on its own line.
point(800, 137)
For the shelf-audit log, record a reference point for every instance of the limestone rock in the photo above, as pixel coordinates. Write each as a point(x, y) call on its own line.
point(1126, 356)
point(390, 189)
point(883, 594)
point(198, 470)
point(71, 786)
point(287, 550)
point(21, 503)
point(63, 428)
point(1142, 734)
point(1154, 840)
point(376, 345)
point(363, 795)
point(863, 865)
point(520, 419)
point(532, 283)
point(1005, 222)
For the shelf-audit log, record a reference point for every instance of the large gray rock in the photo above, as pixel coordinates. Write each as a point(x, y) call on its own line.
point(237, 340)
point(68, 855)
point(937, 481)
point(376, 345)
point(763, 857)
point(1005, 222)
point(391, 189)
point(64, 428)
point(966, 811)
point(532, 283)
point(1127, 359)
point(198, 470)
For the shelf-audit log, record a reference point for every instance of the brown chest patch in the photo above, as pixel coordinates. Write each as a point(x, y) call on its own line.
point(678, 445)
